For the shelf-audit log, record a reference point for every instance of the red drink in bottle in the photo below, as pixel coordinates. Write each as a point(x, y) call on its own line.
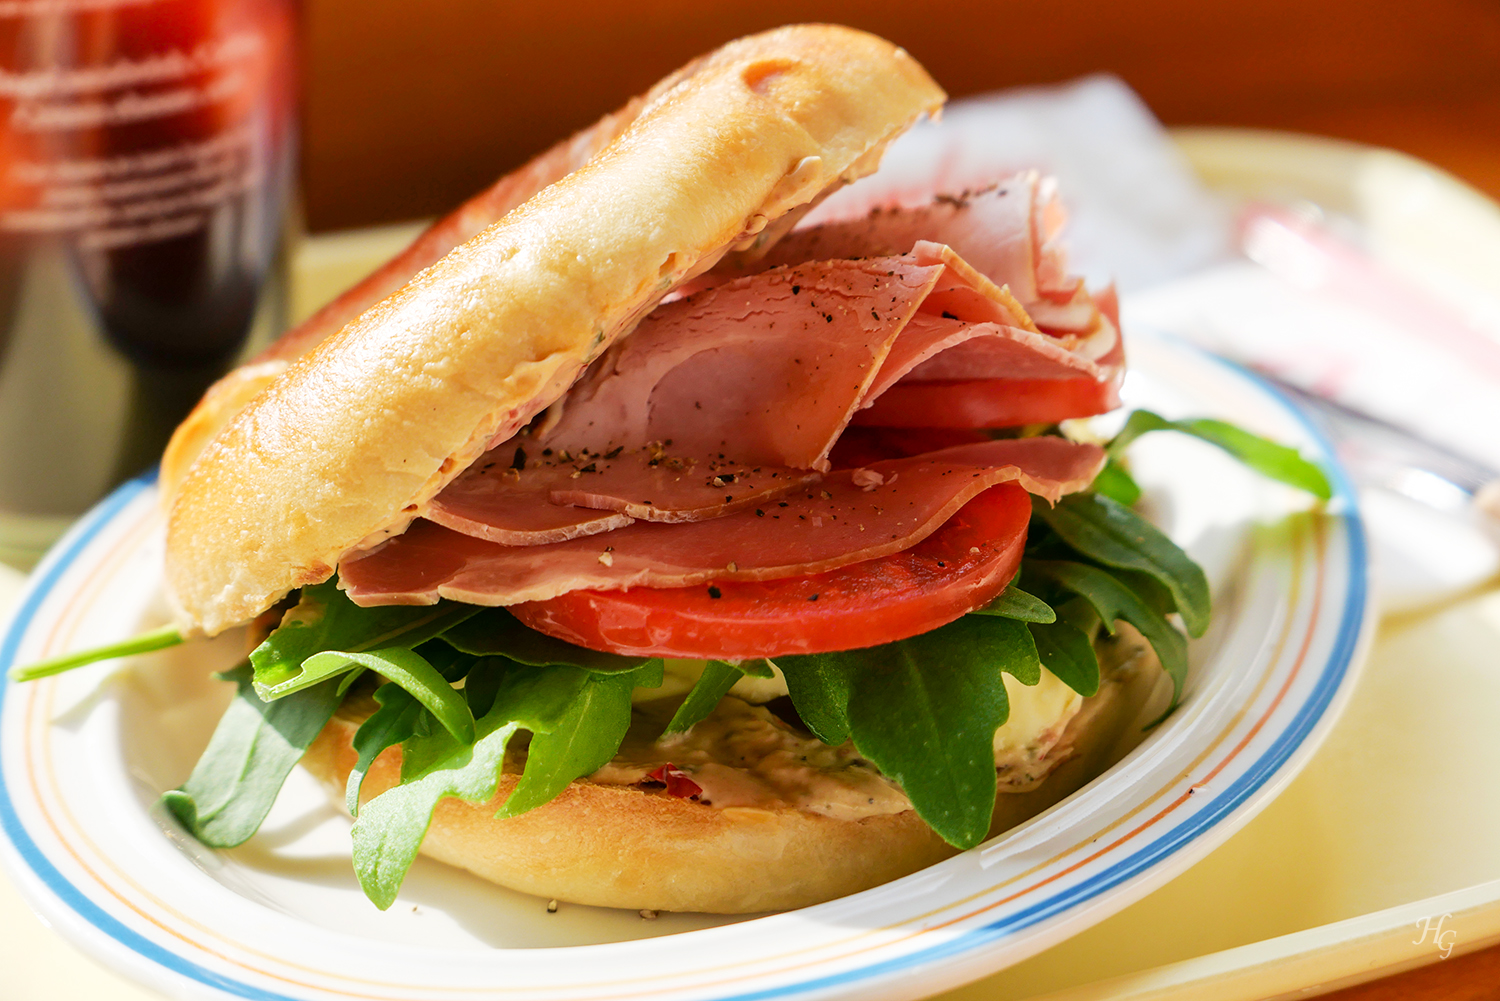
point(146, 160)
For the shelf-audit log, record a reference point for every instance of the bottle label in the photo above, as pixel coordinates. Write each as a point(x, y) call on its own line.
point(139, 140)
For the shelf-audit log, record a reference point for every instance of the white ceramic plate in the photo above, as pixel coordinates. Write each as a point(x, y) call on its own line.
point(84, 756)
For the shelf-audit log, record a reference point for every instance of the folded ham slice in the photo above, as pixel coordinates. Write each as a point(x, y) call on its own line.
point(769, 369)
point(1007, 231)
point(851, 516)
point(532, 500)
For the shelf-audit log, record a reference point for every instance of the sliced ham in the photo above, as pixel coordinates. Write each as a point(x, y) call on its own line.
point(770, 368)
point(1008, 231)
point(529, 501)
point(766, 369)
point(683, 490)
point(852, 516)
point(518, 513)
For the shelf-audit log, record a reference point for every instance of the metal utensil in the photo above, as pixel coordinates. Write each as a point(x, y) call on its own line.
point(1380, 454)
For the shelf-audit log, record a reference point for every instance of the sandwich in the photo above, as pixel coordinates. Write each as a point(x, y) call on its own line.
point(624, 543)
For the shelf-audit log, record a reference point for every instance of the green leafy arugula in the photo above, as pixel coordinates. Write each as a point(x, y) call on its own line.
point(324, 620)
point(1063, 647)
point(252, 751)
point(155, 639)
point(713, 684)
point(394, 722)
point(1113, 601)
point(390, 827)
point(411, 671)
point(1014, 603)
point(1108, 532)
point(924, 710)
point(298, 676)
point(578, 719)
point(579, 733)
point(1273, 461)
point(496, 632)
point(1115, 482)
point(1068, 652)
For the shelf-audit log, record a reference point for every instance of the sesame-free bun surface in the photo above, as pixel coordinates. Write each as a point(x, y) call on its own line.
point(344, 447)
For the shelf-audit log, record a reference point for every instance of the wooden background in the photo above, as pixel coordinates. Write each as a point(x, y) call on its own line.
point(412, 105)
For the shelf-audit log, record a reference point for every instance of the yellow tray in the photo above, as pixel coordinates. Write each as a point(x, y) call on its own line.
point(1379, 857)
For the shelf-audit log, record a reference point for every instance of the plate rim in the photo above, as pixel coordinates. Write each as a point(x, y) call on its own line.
point(107, 937)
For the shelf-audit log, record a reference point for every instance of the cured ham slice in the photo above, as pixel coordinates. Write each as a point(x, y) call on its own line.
point(852, 516)
point(518, 513)
point(556, 497)
point(1007, 231)
point(770, 368)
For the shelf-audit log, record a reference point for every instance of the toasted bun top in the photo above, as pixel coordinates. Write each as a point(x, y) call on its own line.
point(343, 449)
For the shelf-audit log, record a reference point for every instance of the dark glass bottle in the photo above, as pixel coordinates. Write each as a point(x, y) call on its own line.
point(146, 164)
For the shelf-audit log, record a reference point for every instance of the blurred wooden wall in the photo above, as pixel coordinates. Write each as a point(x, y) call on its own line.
point(411, 106)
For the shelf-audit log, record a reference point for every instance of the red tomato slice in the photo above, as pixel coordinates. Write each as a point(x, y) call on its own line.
point(987, 403)
point(961, 566)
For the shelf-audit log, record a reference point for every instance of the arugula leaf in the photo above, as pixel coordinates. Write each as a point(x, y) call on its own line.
point(579, 741)
point(1110, 533)
point(1277, 462)
point(155, 639)
point(452, 664)
point(1147, 588)
point(497, 633)
point(712, 685)
point(411, 671)
point(483, 683)
point(348, 678)
point(1014, 603)
point(1113, 600)
point(756, 667)
point(253, 749)
point(391, 826)
point(1080, 614)
point(819, 688)
point(1067, 652)
point(1115, 481)
point(925, 711)
point(325, 619)
point(393, 722)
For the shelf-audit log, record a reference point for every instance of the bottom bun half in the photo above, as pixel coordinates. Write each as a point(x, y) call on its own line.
point(623, 846)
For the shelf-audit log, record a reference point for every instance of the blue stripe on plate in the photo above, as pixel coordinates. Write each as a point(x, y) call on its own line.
point(1213, 812)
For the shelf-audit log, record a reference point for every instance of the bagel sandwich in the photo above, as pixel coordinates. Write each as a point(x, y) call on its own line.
point(627, 543)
